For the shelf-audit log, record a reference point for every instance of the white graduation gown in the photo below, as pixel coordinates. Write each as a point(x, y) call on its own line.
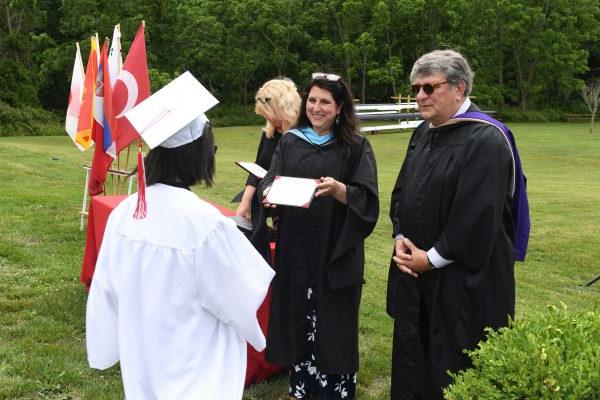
point(174, 299)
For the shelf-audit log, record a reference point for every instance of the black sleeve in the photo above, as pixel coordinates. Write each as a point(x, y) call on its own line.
point(274, 169)
point(476, 214)
point(260, 237)
point(397, 190)
point(362, 209)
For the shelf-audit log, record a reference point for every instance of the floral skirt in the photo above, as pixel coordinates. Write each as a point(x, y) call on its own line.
point(305, 377)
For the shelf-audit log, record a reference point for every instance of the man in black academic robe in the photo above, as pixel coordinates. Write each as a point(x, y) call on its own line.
point(452, 273)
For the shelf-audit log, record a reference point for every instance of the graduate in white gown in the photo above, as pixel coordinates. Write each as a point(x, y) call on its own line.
point(175, 293)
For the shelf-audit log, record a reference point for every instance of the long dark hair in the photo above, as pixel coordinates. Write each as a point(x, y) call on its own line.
point(346, 130)
point(188, 165)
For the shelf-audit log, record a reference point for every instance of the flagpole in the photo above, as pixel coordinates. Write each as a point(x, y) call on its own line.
point(119, 59)
point(117, 43)
point(118, 28)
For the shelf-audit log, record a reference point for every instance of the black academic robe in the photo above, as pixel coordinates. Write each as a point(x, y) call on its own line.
point(264, 154)
point(321, 247)
point(451, 193)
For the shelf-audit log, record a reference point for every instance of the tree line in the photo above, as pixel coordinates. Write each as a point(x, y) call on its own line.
point(530, 54)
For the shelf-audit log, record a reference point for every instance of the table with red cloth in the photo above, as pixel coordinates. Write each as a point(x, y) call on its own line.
point(100, 208)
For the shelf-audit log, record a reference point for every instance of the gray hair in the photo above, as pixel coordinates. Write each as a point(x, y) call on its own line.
point(450, 63)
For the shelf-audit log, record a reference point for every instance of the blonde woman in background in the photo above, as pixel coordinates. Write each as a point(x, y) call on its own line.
point(278, 102)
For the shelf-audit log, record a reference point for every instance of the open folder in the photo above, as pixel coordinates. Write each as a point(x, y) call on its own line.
point(253, 168)
point(289, 191)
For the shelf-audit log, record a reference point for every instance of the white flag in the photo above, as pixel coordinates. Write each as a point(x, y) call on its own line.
point(115, 59)
point(115, 63)
point(75, 97)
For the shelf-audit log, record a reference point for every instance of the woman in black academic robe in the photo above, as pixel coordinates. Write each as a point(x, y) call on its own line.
point(278, 102)
point(313, 324)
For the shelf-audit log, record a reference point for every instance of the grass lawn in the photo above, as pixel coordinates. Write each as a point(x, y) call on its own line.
point(42, 303)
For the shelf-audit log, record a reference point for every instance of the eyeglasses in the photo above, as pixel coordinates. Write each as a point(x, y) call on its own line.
point(263, 99)
point(428, 88)
point(323, 75)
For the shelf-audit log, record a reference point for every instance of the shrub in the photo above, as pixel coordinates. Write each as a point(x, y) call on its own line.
point(29, 121)
point(34, 121)
point(223, 115)
point(549, 356)
point(515, 115)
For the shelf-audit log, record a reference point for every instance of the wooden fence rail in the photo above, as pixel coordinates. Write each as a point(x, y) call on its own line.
point(578, 117)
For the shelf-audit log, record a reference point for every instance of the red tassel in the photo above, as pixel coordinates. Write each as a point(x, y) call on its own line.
point(141, 209)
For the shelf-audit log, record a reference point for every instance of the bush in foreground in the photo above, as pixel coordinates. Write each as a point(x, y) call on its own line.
point(551, 356)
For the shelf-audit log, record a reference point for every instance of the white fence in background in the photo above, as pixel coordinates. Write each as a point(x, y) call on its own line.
point(400, 115)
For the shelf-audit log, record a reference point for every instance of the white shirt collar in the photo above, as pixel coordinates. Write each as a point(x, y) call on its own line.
point(463, 107)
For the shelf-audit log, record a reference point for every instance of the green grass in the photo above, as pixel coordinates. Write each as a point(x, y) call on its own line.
point(42, 303)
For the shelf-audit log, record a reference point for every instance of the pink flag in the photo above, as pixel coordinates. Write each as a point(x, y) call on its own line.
point(75, 96)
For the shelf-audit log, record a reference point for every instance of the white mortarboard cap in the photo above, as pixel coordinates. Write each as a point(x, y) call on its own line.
point(187, 134)
point(174, 115)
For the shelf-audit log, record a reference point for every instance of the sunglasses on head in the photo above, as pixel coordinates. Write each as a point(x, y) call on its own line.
point(263, 99)
point(428, 88)
point(323, 75)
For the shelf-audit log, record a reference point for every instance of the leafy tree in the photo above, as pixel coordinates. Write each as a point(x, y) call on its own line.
point(277, 21)
point(525, 52)
point(197, 43)
point(366, 46)
point(17, 65)
point(516, 42)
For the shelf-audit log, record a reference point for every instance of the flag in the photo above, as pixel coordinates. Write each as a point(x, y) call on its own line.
point(97, 129)
point(75, 95)
point(109, 119)
point(101, 131)
point(86, 113)
point(131, 88)
point(115, 64)
point(115, 59)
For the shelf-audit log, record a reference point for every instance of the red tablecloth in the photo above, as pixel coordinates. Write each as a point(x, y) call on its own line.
point(100, 208)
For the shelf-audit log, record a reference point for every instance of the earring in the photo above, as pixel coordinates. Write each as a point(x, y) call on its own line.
point(337, 119)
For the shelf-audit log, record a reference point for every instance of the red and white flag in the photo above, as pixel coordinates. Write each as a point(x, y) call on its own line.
point(131, 88)
point(75, 96)
point(113, 65)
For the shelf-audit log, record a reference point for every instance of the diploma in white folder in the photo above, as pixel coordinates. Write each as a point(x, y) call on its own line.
point(253, 168)
point(288, 191)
